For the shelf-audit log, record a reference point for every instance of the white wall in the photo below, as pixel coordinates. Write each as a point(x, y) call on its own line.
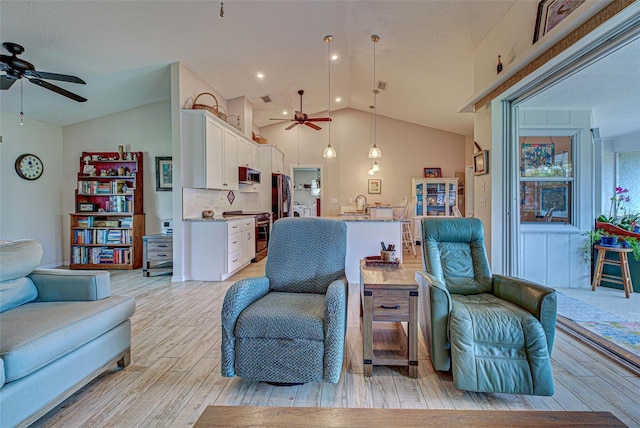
point(32, 209)
point(143, 129)
point(407, 149)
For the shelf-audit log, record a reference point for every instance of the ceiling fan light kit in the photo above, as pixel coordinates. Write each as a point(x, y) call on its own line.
point(329, 151)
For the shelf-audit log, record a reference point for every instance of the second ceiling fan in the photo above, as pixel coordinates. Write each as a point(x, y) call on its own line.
point(301, 118)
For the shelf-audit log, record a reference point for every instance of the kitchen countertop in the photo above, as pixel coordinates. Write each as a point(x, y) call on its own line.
point(362, 218)
point(215, 218)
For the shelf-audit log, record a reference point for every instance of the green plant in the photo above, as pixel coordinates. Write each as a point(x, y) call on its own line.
point(594, 237)
point(634, 244)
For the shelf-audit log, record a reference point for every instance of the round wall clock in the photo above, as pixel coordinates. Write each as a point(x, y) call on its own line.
point(29, 166)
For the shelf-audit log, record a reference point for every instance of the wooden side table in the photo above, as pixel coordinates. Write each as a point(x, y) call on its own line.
point(623, 263)
point(157, 254)
point(389, 294)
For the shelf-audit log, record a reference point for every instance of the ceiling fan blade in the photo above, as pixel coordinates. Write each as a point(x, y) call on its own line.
point(319, 119)
point(274, 118)
point(291, 126)
point(4, 67)
point(58, 90)
point(313, 125)
point(54, 76)
point(6, 82)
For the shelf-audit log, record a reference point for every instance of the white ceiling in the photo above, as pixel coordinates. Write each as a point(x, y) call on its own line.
point(122, 49)
point(609, 87)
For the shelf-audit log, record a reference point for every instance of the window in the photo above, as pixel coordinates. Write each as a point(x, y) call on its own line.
point(629, 177)
point(546, 179)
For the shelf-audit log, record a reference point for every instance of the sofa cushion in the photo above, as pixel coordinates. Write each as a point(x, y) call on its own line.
point(283, 316)
point(35, 334)
point(19, 258)
point(16, 292)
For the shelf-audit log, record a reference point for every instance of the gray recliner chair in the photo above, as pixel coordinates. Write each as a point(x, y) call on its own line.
point(289, 326)
point(495, 333)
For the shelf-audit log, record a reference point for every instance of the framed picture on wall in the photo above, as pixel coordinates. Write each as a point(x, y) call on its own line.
point(481, 163)
point(551, 13)
point(164, 173)
point(375, 185)
point(432, 172)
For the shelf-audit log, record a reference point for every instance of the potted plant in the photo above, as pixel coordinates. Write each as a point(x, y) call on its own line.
point(634, 244)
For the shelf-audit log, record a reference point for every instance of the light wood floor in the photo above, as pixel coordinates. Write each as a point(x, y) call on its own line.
point(175, 370)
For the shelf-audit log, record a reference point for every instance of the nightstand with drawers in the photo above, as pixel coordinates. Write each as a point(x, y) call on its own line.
point(157, 254)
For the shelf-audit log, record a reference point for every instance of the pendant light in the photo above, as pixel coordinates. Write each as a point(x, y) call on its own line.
point(374, 151)
point(329, 151)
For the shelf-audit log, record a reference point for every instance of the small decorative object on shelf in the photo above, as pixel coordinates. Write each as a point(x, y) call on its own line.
point(108, 225)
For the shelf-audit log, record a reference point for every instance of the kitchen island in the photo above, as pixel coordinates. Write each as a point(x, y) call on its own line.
point(364, 235)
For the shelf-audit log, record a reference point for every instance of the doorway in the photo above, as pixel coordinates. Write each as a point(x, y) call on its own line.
point(307, 190)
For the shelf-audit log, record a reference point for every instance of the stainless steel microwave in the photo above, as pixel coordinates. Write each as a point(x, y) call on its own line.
point(248, 175)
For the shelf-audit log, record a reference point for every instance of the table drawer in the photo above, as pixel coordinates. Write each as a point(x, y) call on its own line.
point(234, 242)
point(158, 256)
point(248, 224)
point(160, 246)
point(391, 305)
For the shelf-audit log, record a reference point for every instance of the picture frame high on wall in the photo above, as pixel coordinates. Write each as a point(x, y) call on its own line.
point(551, 13)
point(432, 172)
point(164, 173)
point(375, 186)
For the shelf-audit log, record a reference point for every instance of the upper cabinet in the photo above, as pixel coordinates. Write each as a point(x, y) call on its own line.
point(247, 153)
point(277, 161)
point(210, 152)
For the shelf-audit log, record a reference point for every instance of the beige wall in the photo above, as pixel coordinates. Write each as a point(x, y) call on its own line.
point(407, 148)
point(32, 209)
point(143, 129)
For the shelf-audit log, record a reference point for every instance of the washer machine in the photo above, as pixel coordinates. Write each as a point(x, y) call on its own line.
point(301, 211)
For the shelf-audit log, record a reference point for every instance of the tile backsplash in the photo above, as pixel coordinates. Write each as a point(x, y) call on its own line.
point(194, 201)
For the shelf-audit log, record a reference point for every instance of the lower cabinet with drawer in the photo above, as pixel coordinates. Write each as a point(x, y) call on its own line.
point(218, 248)
point(157, 254)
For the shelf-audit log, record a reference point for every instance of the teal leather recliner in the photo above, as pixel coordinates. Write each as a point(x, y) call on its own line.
point(495, 333)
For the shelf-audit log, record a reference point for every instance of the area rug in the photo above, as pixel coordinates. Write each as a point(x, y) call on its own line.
point(577, 310)
point(623, 333)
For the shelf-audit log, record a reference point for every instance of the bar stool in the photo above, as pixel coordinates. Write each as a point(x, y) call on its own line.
point(623, 263)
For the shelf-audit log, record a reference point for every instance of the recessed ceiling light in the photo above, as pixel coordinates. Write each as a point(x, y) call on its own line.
point(334, 57)
point(260, 76)
point(284, 112)
point(338, 99)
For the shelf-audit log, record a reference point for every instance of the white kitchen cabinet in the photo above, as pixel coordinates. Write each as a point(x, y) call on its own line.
point(210, 152)
point(247, 153)
point(277, 161)
point(220, 248)
point(230, 166)
point(248, 239)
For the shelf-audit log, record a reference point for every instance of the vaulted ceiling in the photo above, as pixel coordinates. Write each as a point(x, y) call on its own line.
point(122, 49)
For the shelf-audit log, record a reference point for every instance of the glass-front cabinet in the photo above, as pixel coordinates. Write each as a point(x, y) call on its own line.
point(435, 196)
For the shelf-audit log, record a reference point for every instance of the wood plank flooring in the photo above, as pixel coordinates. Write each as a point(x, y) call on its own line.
point(175, 369)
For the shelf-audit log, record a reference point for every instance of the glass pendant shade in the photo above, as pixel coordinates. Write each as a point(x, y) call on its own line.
point(370, 172)
point(374, 152)
point(329, 152)
point(375, 167)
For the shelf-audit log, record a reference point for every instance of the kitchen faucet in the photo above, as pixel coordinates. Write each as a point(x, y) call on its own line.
point(359, 199)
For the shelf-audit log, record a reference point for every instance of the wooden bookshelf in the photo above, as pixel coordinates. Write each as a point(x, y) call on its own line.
point(108, 224)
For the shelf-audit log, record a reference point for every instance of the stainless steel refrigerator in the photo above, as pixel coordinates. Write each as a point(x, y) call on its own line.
point(281, 194)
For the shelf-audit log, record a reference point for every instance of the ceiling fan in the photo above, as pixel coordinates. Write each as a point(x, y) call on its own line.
point(301, 118)
point(17, 68)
